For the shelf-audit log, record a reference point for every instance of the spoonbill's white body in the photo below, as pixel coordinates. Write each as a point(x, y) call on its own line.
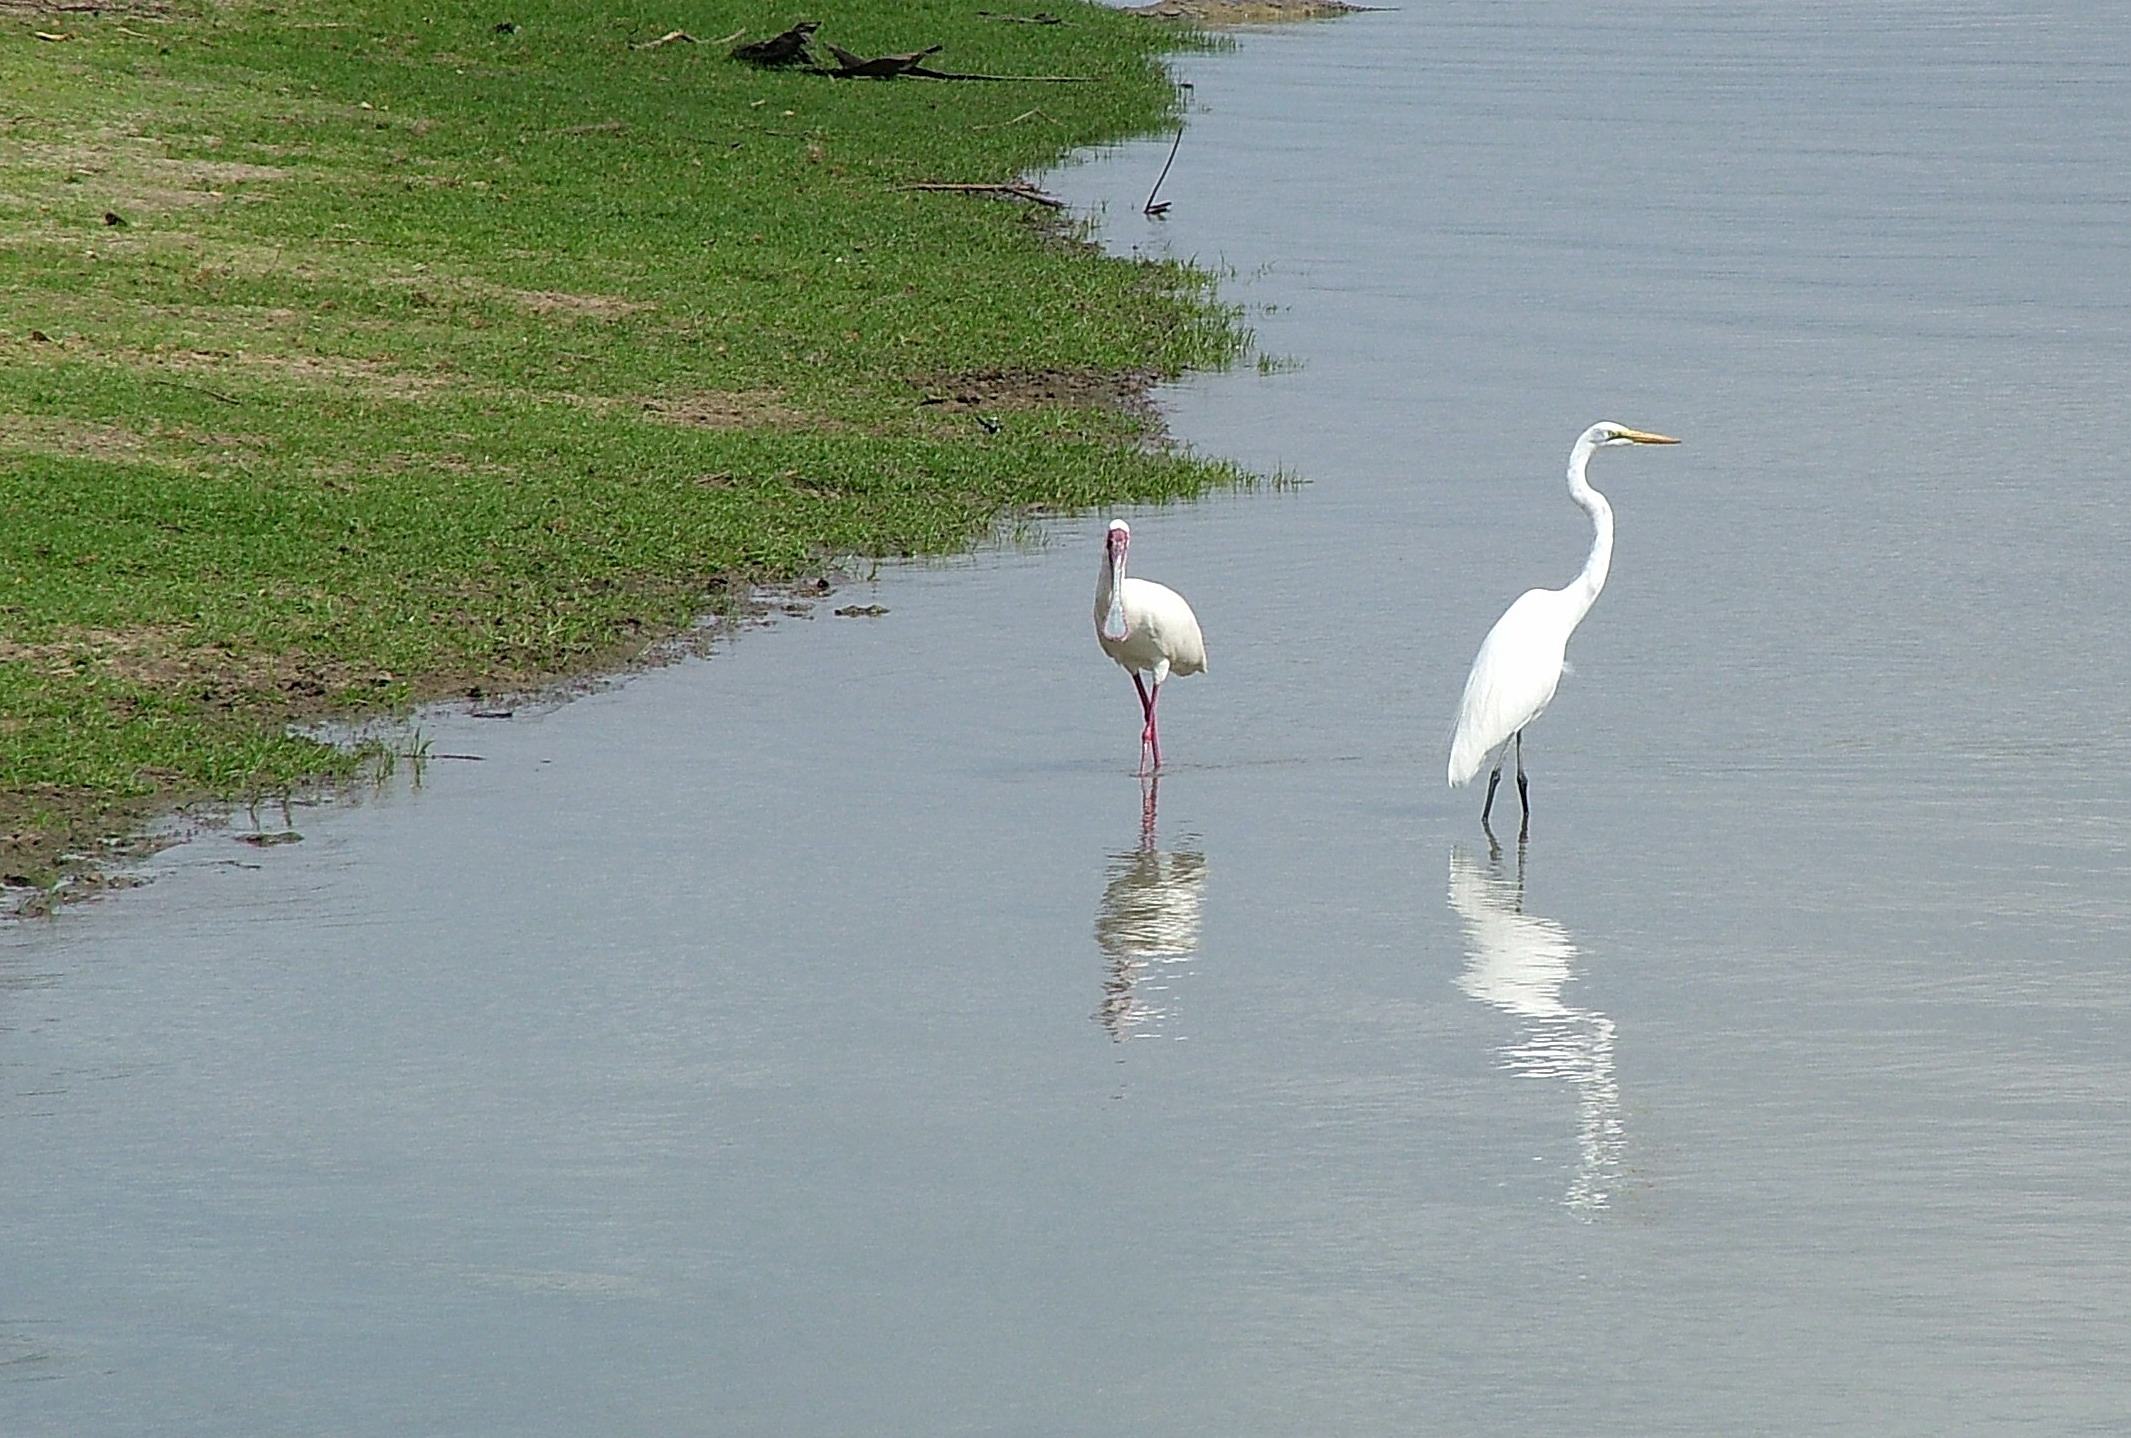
point(1147, 628)
point(1520, 662)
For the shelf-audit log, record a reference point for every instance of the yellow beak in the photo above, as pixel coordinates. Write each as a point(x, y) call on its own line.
point(1640, 437)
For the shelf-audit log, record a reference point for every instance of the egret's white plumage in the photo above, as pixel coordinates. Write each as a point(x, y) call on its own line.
point(1146, 627)
point(1521, 660)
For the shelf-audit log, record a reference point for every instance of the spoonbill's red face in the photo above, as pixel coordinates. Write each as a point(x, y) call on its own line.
point(1119, 538)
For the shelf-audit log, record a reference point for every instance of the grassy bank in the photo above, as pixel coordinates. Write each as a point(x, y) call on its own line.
point(353, 353)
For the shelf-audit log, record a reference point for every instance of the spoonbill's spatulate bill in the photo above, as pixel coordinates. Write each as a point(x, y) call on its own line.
point(1520, 661)
point(1147, 628)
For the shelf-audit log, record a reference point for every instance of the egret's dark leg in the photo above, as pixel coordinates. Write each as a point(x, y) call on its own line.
point(1492, 780)
point(1524, 797)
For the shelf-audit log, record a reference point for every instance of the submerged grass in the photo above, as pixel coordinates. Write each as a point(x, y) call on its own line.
point(355, 353)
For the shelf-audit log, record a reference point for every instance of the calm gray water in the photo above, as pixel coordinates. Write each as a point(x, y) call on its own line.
point(819, 1040)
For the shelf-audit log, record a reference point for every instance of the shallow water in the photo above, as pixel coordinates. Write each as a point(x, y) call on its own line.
point(832, 1038)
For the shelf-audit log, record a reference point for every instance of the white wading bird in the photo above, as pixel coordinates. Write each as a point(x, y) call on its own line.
point(1521, 660)
point(1146, 627)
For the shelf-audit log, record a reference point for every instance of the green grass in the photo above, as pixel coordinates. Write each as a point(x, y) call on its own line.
point(430, 355)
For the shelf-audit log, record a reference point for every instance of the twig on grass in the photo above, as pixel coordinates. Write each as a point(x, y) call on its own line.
point(1016, 190)
point(912, 63)
point(1024, 115)
point(923, 74)
point(198, 389)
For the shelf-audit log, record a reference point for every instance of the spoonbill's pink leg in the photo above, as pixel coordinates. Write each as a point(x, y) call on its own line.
point(1154, 737)
point(1146, 735)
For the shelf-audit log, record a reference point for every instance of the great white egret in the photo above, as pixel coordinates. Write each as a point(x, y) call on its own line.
point(1520, 662)
point(1147, 628)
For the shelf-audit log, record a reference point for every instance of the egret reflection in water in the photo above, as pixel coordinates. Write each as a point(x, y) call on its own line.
point(1520, 963)
point(1148, 923)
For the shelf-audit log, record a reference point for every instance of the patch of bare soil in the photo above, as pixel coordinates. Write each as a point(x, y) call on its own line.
point(80, 439)
point(556, 302)
point(543, 303)
point(370, 376)
point(203, 368)
point(119, 171)
point(49, 434)
point(169, 658)
point(1245, 12)
point(1037, 389)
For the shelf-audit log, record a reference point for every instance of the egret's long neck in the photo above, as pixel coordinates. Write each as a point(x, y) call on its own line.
point(1584, 588)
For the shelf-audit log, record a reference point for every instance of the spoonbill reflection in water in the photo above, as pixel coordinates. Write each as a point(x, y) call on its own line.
point(1149, 916)
point(1520, 662)
point(1521, 963)
point(1147, 628)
